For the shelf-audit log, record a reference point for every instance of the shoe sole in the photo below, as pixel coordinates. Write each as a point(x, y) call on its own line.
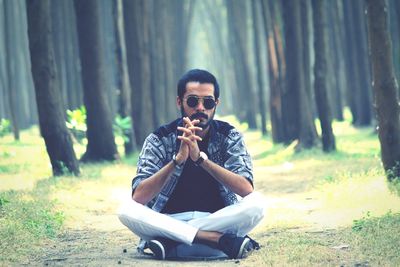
point(243, 251)
point(157, 248)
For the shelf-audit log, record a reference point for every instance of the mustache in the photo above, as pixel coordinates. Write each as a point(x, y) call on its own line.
point(198, 115)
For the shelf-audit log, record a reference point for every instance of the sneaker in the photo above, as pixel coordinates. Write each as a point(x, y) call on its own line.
point(235, 247)
point(160, 247)
point(254, 243)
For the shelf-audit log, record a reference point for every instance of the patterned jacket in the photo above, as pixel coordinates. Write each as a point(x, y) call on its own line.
point(226, 148)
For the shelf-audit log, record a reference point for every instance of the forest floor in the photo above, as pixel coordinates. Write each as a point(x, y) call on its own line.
point(320, 209)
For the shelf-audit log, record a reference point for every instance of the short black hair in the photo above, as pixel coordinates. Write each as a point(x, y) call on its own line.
point(197, 75)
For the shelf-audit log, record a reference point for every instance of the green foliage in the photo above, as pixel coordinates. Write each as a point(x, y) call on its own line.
point(392, 174)
point(358, 225)
point(3, 201)
point(394, 186)
point(5, 127)
point(76, 122)
point(122, 127)
point(374, 224)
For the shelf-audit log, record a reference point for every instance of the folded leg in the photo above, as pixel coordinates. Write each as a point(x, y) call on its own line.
point(149, 224)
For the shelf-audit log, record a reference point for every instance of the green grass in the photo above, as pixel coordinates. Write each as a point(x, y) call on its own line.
point(26, 218)
point(344, 193)
point(371, 241)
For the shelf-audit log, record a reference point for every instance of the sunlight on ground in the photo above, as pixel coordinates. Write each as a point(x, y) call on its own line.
point(93, 203)
point(22, 163)
point(332, 206)
point(353, 198)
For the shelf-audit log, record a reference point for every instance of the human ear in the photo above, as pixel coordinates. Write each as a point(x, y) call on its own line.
point(178, 102)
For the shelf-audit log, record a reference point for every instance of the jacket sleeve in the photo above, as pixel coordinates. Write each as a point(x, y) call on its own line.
point(151, 159)
point(236, 157)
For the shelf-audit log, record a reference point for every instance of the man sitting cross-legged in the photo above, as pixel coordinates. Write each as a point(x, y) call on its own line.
point(189, 176)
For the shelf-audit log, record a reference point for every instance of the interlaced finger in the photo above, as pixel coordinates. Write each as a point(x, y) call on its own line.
point(190, 139)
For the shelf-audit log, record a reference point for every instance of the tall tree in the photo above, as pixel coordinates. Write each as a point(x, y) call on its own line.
point(11, 63)
point(295, 99)
point(258, 36)
point(237, 22)
point(336, 54)
point(385, 86)
point(276, 69)
point(320, 73)
point(136, 16)
point(363, 98)
point(123, 86)
point(66, 53)
point(357, 63)
point(305, 34)
point(394, 7)
point(51, 116)
point(101, 142)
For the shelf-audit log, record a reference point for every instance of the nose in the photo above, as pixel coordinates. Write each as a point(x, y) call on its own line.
point(200, 105)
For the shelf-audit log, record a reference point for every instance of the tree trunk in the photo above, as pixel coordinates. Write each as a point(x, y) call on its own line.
point(355, 54)
point(12, 68)
point(385, 86)
point(3, 104)
point(320, 73)
point(101, 143)
point(258, 34)
point(295, 100)
point(138, 56)
point(305, 33)
point(394, 7)
point(74, 76)
point(276, 69)
point(51, 116)
point(237, 17)
point(122, 78)
point(337, 56)
point(363, 98)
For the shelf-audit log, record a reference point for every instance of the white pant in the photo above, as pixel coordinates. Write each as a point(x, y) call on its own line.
point(148, 224)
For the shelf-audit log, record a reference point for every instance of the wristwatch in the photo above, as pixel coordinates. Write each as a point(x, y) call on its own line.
point(176, 162)
point(202, 157)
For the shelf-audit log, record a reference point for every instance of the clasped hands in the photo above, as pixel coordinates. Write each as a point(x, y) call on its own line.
point(189, 146)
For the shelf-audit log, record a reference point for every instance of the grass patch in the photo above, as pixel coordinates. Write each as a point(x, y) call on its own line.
point(26, 218)
point(375, 238)
point(370, 241)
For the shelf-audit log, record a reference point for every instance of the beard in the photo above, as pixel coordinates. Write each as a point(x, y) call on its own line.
point(199, 115)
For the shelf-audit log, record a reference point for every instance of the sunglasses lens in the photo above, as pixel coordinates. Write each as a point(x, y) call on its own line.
point(192, 101)
point(209, 103)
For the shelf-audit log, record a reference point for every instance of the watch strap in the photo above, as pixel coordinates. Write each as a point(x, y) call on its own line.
point(176, 162)
point(201, 158)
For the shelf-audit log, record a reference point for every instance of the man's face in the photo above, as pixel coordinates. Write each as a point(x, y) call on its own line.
point(197, 102)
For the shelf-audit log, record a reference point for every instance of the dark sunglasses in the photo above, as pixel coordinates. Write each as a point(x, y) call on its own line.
point(193, 101)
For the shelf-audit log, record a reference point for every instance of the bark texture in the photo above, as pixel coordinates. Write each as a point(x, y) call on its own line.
point(101, 144)
point(385, 86)
point(51, 116)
